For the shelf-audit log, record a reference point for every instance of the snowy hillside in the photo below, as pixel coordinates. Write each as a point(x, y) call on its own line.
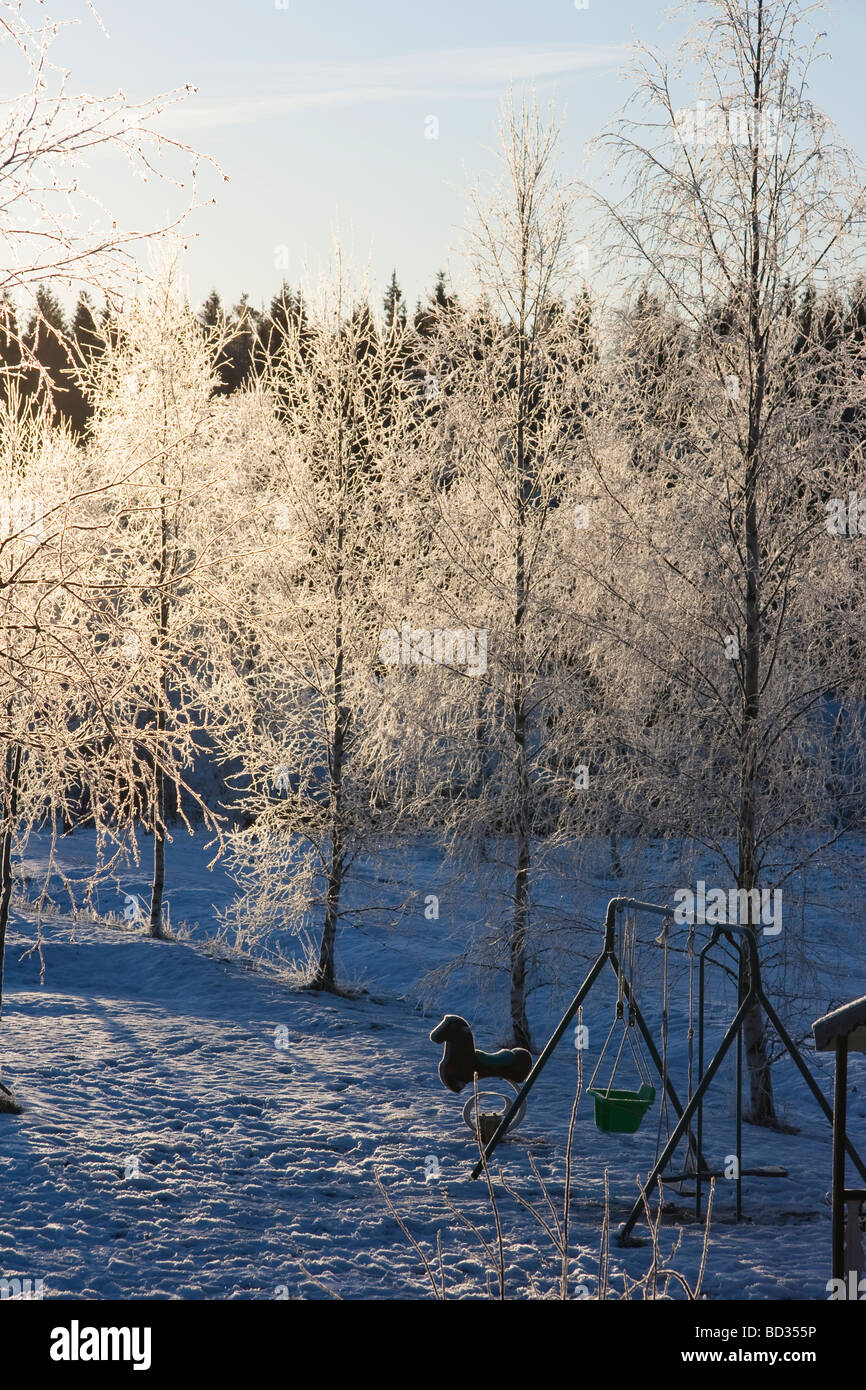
point(193, 1128)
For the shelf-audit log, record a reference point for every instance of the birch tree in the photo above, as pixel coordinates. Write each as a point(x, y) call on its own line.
point(733, 613)
point(302, 691)
point(54, 229)
point(54, 625)
point(501, 737)
point(168, 526)
point(35, 638)
point(58, 681)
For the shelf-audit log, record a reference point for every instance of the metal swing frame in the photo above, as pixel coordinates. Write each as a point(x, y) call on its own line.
point(607, 955)
point(747, 949)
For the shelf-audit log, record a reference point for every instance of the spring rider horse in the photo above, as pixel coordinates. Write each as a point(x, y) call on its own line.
point(461, 1061)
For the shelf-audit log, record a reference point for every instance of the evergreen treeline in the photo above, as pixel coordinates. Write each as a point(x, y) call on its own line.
point(57, 347)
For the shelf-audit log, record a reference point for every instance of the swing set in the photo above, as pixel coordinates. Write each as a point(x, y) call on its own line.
point(622, 1111)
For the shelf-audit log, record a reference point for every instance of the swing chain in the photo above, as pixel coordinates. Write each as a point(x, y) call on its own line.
point(690, 950)
point(622, 1111)
point(631, 948)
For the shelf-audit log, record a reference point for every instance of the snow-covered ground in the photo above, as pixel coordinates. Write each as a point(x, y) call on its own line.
point(193, 1128)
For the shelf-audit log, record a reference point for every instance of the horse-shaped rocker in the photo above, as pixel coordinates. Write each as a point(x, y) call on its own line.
point(461, 1062)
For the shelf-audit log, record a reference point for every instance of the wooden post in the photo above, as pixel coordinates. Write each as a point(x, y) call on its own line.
point(853, 1244)
point(840, 1125)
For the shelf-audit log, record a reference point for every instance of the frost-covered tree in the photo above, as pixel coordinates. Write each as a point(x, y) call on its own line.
point(38, 635)
point(734, 618)
point(66, 755)
point(54, 231)
point(169, 523)
point(52, 625)
point(491, 597)
point(303, 701)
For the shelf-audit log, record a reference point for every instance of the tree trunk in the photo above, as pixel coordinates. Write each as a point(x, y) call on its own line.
point(325, 977)
point(158, 883)
point(517, 944)
point(10, 811)
point(615, 860)
point(761, 1110)
point(520, 919)
point(155, 928)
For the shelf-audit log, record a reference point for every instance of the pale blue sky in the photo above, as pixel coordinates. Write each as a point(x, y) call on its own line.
point(317, 113)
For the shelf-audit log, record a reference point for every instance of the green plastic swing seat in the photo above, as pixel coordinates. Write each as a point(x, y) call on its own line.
point(621, 1112)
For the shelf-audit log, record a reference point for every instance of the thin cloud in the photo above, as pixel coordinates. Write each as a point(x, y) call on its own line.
point(464, 73)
